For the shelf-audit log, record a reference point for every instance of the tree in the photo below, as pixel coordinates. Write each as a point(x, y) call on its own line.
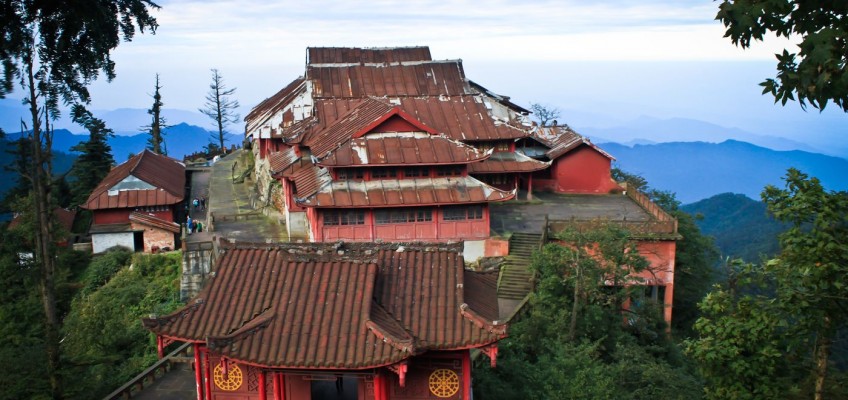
point(56, 50)
point(157, 124)
point(220, 107)
point(786, 312)
point(544, 113)
point(95, 159)
point(817, 72)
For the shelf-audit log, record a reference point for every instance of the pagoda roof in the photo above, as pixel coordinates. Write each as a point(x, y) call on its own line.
point(296, 307)
point(403, 192)
point(165, 177)
point(504, 162)
point(402, 148)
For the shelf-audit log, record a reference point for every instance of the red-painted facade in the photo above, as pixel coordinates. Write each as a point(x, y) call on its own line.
point(583, 170)
point(425, 224)
point(122, 215)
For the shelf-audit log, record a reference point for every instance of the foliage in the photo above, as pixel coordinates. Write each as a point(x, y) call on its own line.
point(220, 107)
point(787, 312)
point(103, 268)
point(817, 72)
point(572, 340)
point(740, 226)
point(95, 160)
point(544, 113)
point(158, 123)
point(104, 341)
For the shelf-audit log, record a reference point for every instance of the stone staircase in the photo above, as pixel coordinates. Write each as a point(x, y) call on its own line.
point(516, 279)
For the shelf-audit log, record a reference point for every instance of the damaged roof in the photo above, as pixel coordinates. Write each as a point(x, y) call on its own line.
point(336, 55)
point(400, 148)
point(281, 308)
point(427, 78)
point(562, 139)
point(503, 162)
point(403, 192)
point(166, 174)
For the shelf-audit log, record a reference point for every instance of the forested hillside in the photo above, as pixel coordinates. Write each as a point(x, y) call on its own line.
point(740, 225)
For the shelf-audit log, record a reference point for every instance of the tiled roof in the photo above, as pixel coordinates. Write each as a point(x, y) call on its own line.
point(403, 192)
point(165, 173)
point(276, 308)
point(507, 162)
point(426, 78)
point(402, 149)
point(150, 220)
point(562, 139)
point(335, 55)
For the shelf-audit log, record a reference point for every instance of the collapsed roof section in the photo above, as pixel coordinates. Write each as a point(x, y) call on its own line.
point(303, 308)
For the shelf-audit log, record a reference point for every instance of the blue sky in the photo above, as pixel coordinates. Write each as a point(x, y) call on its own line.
point(602, 62)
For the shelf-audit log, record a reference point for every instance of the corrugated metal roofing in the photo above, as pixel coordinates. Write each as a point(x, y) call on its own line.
point(265, 109)
point(150, 220)
point(505, 162)
point(280, 160)
point(270, 307)
point(402, 149)
point(165, 173)
point(309, 179)
point(362, 115)
point(332, 55)
point(562, 139)
point(432, 78)
point(463, 118)
point(404, 192)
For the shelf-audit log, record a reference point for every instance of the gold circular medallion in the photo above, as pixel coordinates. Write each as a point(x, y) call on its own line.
point(230, 382)
point(444, 383)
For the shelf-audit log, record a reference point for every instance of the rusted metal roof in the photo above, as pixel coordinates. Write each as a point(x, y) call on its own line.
point(155, 222)
point(365, 114)
point(308, 179)
point(403, 192)
point(166, 174)
point(391, 149)
point(280, 160)
point(463, 118)
point(430, 78)
point(265, 109)
point(562, 139)
point(287, 309)
point(334, 55)
point(500, 98)
point(504, 162)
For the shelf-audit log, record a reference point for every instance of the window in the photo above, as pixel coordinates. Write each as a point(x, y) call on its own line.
point(382, 173)
point(402, 215)
point(416, 172)
point(463, 213)
point(347, 217)
point(502, 147)
point(350, 173)
point(448, 171)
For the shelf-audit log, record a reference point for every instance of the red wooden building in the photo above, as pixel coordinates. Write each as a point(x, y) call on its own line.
point(136, 204)
point(300, 322)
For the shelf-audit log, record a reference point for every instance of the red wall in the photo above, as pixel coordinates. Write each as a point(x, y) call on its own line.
point(122, 215)
point(436, 230)
point(583, 170)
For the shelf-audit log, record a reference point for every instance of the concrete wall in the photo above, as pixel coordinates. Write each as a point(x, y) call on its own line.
point(101, 242)
point(298, 225)
point(198, 263)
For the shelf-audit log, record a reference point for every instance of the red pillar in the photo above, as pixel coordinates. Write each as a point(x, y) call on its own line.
point(198, 378)
point(208, 374)
point(378, 387)
point(262, 394)
point(160, 346)
point(466, 375)
point(279, 381)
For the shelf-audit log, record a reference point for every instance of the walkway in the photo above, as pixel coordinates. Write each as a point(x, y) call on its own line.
point(177, 384)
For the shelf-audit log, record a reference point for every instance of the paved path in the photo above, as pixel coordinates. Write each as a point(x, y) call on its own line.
point(176, 384)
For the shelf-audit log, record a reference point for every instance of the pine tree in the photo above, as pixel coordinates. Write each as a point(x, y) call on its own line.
point(95, 159)
point(157, 124)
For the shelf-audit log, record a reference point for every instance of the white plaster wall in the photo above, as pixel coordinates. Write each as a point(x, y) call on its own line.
point(101, 242)
point(472, 250)
point(297, 225)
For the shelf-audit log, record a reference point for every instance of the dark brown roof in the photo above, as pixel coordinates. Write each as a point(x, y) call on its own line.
point(403, 192)
point(562, 139)
point(504, 162)
point(334, 55)
point(402, 149)
point(155, 222)
point(430, 78)
point(269, 106)
point(165, 173)
point(277, 308)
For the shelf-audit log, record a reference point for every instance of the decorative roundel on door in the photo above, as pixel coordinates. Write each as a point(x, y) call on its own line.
point(229, 383)
point(444, 383)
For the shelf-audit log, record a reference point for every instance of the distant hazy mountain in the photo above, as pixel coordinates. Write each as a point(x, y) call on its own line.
point(180, 140)
point(648, 129)
point(740, 225)
point(698, 170)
